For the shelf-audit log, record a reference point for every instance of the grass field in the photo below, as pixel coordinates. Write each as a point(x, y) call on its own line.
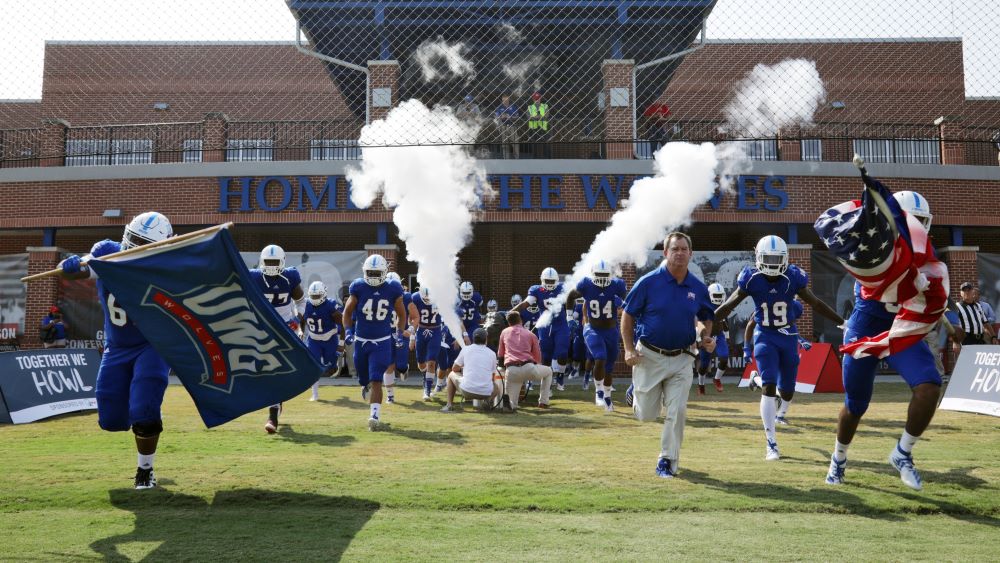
point(568, 483)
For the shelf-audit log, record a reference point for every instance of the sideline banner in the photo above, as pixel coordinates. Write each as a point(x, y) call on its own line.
point(819, 370)
point(37, 384)
point(975, 381)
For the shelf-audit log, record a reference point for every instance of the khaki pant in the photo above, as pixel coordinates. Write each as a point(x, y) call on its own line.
point(663, 382)
point(457, 379)
point(518, 375)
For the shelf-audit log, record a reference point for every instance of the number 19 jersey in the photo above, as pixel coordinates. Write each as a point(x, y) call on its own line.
point(773, 309)
point(375, 304)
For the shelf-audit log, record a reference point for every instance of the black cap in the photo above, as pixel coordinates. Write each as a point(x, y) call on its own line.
point(966, 285)
point(479, 336)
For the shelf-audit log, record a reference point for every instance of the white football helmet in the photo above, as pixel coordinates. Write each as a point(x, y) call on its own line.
point(600, 274)
point(915, 205)
point(772, 256)
point(317, 293)
point(272, 260)
point(393, 276)
point(465, 290)
point(716, 293)
point(549, 277)
point(146, 228)
point(375, 270)
point(425, 295)
point(491, 306)
point(515, 300)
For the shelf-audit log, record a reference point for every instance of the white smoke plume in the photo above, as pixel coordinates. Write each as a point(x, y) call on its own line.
point(772, 97)
point(509, 33)
point(432, 188)
point(440, 59)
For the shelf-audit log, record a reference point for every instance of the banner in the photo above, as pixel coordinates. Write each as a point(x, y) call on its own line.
point(196, 304)
point(38, 384)
point(12, 299)
point(819, 371)
point(975, 382)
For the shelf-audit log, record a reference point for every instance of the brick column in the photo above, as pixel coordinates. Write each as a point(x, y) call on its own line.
point(383, 89)
point(388, 251)
point(962, 266)
point(53, 142)
point(41, 294)
point(215, 134)
point(790, 144)
point(801, 256)
point(501, 268)
point(619, 108)
point(952, 143)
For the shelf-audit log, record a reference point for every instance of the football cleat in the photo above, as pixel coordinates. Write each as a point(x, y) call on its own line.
point(718, 385)
point(373, 424)
point(390, 399)
point(270, 427)
point(664, 469)
point(781, 420)
point(701, 389)
point(144, 478)
point(427, 396)
point(365, 390)
point(903, 462)
point(630, 395)
point(835, 476)
point(755, 382)
point(608, 405)
point(772, 452)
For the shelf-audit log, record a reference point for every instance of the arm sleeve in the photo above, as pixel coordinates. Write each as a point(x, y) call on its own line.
point(635, 301)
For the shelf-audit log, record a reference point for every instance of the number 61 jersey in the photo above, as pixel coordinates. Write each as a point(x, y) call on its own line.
point(374, 308)
point(772, 301)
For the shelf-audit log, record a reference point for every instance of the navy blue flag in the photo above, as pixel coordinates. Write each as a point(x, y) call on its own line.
point(195, 303)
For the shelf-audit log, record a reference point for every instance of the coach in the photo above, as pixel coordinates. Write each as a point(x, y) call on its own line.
point(658, 332)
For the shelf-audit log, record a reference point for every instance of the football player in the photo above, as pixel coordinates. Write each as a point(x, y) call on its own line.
point(446, 358)
point(554, 338)
point(282, 287)
point(323, 322)
point(773, 284)
point(426, 322)
point(469, 309)
point(132, 377)
point(401, 344)
point(602, 293)
point(719, 356)
point(368, 324)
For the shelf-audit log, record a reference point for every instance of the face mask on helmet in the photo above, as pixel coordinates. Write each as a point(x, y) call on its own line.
point(549, 278)
point(716, 294)
point(771, 256)
point(914, 204)
point(272, 260)
point(146, 228)
point(465, 290)
point(425, 295)
point(601, 274)
point(515, 300)
point(533, 308)
point(317, 293)
point(375, 270)
point(491, 306)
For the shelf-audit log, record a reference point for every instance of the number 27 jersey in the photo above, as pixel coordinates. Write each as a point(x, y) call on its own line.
point(374, 308)
point(773, 307)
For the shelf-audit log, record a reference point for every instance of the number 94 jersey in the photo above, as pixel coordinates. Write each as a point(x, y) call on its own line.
point(600, 302)
point(374, 308)
point(773, 301)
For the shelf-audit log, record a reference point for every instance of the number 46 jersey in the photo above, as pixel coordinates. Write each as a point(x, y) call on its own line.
point(773, 300)
point(375, 305)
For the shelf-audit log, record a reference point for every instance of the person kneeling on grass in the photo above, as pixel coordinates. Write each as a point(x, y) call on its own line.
point(473, 371)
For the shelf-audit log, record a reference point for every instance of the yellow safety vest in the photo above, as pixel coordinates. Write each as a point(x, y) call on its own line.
point(538, 110)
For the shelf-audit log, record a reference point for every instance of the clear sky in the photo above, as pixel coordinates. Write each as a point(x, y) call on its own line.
point(26, 24)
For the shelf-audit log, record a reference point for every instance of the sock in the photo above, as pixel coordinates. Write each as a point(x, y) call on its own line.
point(767, 416)
point(607, 397)
point(719, 372)
point(586, 377)
point(389, 378)
point(390, 391)
point(428, 382)
point(840, 451)
point(599, 385)
point(272, 414)
point(560, 378)
point(907, 441)
point(375, 410)
point(783, 409)
point(316, 389)
point(146, 461)
point(701, 379)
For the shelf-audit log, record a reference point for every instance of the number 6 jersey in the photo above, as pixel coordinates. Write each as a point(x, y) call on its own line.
point(773, 301)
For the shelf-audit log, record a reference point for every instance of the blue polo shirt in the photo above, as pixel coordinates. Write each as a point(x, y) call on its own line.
point(665, 310)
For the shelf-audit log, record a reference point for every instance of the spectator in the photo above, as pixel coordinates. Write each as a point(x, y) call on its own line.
point(473, 372)
point(506, 117)
point(53, 329)
point(991, 317)
point(971, 316)
point(468, 110)
point(521, 355)
point(538, 127)
point(658, 332)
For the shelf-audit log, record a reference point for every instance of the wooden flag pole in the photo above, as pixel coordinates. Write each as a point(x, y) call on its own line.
point(164, 242)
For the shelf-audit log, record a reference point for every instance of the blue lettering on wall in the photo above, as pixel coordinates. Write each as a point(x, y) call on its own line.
point(550, 191)
point(506, 190)
point(774, 187)
point(611, 195)
point(225, 193)
point(286, 193)
point(306, 188)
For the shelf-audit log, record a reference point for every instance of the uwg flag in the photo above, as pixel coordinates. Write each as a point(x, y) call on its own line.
point(889, 252)
point(195, 303)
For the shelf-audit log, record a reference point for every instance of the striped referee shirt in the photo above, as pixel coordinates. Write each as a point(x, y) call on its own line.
point(971, 317)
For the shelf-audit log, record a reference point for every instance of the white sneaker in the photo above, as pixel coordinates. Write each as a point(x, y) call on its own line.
point(903, 462)
point(560, 387)
point(772, 452)
point(609, 406)
point(835, 476)
point(427, 396)
point(314, 398)
point(446, 408)
point(373, 424)
point(781, 420)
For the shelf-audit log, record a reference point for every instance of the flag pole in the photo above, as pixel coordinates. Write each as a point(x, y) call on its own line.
point(164, 242)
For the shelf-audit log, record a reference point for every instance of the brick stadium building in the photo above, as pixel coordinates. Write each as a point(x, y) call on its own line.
point(546, 212)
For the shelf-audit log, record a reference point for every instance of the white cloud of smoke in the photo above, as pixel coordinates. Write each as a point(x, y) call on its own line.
point(772, 97)
point(440, 59)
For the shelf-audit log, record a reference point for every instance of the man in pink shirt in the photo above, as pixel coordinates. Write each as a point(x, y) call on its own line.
point(521, 354)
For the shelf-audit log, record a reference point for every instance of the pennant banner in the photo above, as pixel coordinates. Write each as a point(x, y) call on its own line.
point(196, 304)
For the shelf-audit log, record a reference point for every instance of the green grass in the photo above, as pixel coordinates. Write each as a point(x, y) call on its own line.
point(568, 483)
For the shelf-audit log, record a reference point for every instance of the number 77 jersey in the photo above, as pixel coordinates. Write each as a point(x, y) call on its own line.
point(773, 301)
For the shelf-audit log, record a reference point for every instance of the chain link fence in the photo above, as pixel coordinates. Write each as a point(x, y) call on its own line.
point(126, 83)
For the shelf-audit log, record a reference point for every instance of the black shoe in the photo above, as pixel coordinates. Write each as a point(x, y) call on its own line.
point(144, 478)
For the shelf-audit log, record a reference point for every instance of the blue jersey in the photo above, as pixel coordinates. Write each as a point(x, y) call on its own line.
point(427, 315)
point(872, 307)
point(601, 302)
point(773, 301)
point(373, 313)
point(319, 320)
point(469, 310)
point(406, 308)
point(119, 330)
point(546, 300)
point(278, 290)
point(528, 319)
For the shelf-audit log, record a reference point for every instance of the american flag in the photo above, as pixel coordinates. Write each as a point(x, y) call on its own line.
point(889, 252)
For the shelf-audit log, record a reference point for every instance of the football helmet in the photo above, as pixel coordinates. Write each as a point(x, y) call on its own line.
point(272, 260)
point(146, 228)
point(465, 290)
point(549, 277)
point(915, 205)
point(771, 255)
point(425, 295)
point(317, 293)
point(515, 300)
point(491, 306)
point(375, 269)
point(600, 274)
point(716, 293)
point(393, 276)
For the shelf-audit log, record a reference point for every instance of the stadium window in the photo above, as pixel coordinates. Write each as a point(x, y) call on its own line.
point(244, 150)
point(761, 149)
point(903, 151)
point(874, 150)
point(812, 150)
point(334, 149)
point(88, 152)
point(131, 151)
point(191, 150)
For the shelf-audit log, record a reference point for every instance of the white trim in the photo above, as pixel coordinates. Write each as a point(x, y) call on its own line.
point(970, 405)
point(39, 412)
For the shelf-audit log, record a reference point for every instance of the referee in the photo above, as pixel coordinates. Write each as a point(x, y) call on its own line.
point(971, 317)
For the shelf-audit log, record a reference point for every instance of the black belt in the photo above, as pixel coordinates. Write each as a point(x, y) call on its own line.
point(516, 364)
point(669, 353)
